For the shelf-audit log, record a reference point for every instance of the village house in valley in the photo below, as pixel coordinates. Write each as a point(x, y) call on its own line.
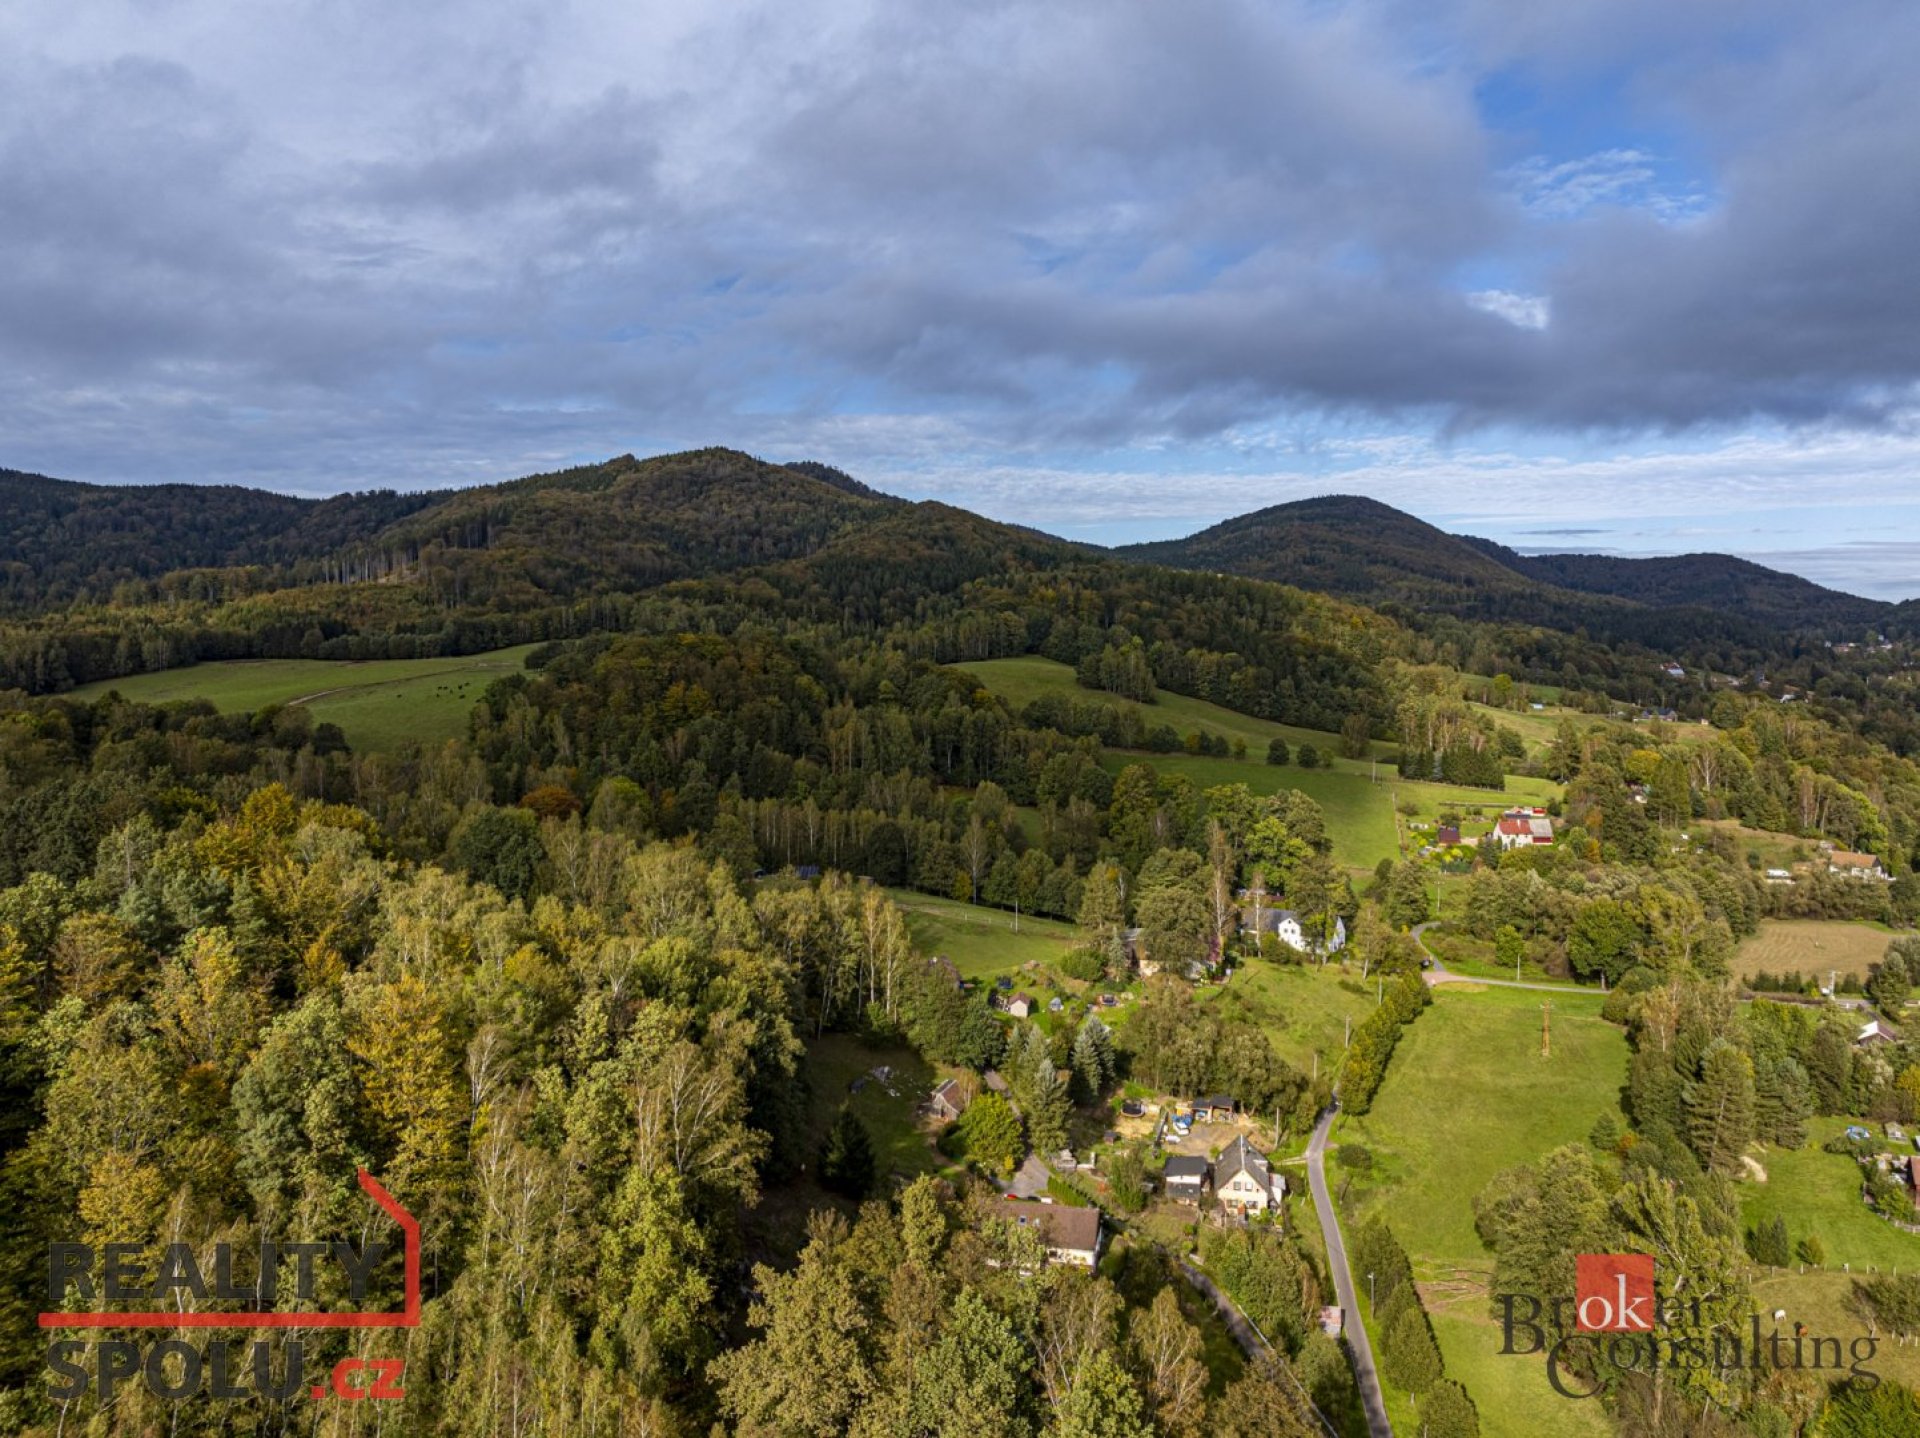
point(949, 1100)
point(1850, 865)
point(1244, 1182)
point(1072, 1234)
point(1519, 828)
point(1286, 925)
point(1186, 1177)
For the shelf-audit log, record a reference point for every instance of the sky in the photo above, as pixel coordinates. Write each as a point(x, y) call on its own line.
point(1620, 275)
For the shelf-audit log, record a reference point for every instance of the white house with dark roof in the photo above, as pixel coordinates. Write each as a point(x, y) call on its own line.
point(1244, 1182)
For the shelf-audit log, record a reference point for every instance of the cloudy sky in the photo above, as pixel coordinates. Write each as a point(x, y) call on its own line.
point(1605, 274)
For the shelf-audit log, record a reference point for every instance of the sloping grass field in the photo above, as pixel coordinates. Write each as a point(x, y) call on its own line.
point(378, 703)
point(1359, 795)
point(1020, 681)
point(1467, 1095)
point(1303, 1008)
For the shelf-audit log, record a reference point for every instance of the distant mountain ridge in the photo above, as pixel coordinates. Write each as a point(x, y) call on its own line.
point(1363, 550)
point(1708, 580)
point(630, 523)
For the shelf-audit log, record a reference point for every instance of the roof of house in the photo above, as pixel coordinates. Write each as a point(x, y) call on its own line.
point(1061, 1225)
point(1218, 1100)
point(1186, 1168)
point(1023, 997)
point(1848, 859)
point(1241, 1157)
point(949, 1092)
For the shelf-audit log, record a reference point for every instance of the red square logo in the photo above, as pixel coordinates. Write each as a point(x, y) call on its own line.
point(1613, 1292)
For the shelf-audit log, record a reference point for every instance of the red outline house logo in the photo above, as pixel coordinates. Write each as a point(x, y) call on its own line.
point(408, 1317)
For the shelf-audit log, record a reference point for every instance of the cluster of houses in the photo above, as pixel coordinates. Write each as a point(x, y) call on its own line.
point(1241, 1180)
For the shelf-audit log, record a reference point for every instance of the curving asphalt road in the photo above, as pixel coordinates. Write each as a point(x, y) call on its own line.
point(1361, 1350)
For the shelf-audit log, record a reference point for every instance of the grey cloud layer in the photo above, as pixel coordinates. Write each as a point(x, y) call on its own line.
point(357, 242)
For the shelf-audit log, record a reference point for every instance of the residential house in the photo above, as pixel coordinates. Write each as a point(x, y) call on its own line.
point(1186, 1177)
point(949, 1100)
point(1286, 926)
point(1020, 1005)
point(1873, 1031)
point(1244, 1182)
point(1072, 1234)
point(1849, 865)
point(1519, 828)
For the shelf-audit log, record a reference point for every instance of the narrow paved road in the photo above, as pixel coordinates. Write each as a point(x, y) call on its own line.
point(1252, 1341)
point(1363, 1370)
point(1441, 974)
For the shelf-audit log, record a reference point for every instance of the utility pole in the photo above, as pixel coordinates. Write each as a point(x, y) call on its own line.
point(1546, 1030)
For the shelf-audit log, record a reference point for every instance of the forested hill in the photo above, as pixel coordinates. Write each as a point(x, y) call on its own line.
point(66, 543)
point(1363, 550)
point(621, 525)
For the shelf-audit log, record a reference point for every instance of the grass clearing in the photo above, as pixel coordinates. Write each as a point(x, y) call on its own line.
point(1303, 1008)
point(1512, 1393)
point(1359, 795)
point(1820, 1300)
point(835, 1062)
point(378, 703)
point(1819, 1193)
point(1812, 946)
point(981, 942)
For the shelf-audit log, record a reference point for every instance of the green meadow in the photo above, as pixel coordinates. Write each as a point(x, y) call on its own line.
point(378, 703)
